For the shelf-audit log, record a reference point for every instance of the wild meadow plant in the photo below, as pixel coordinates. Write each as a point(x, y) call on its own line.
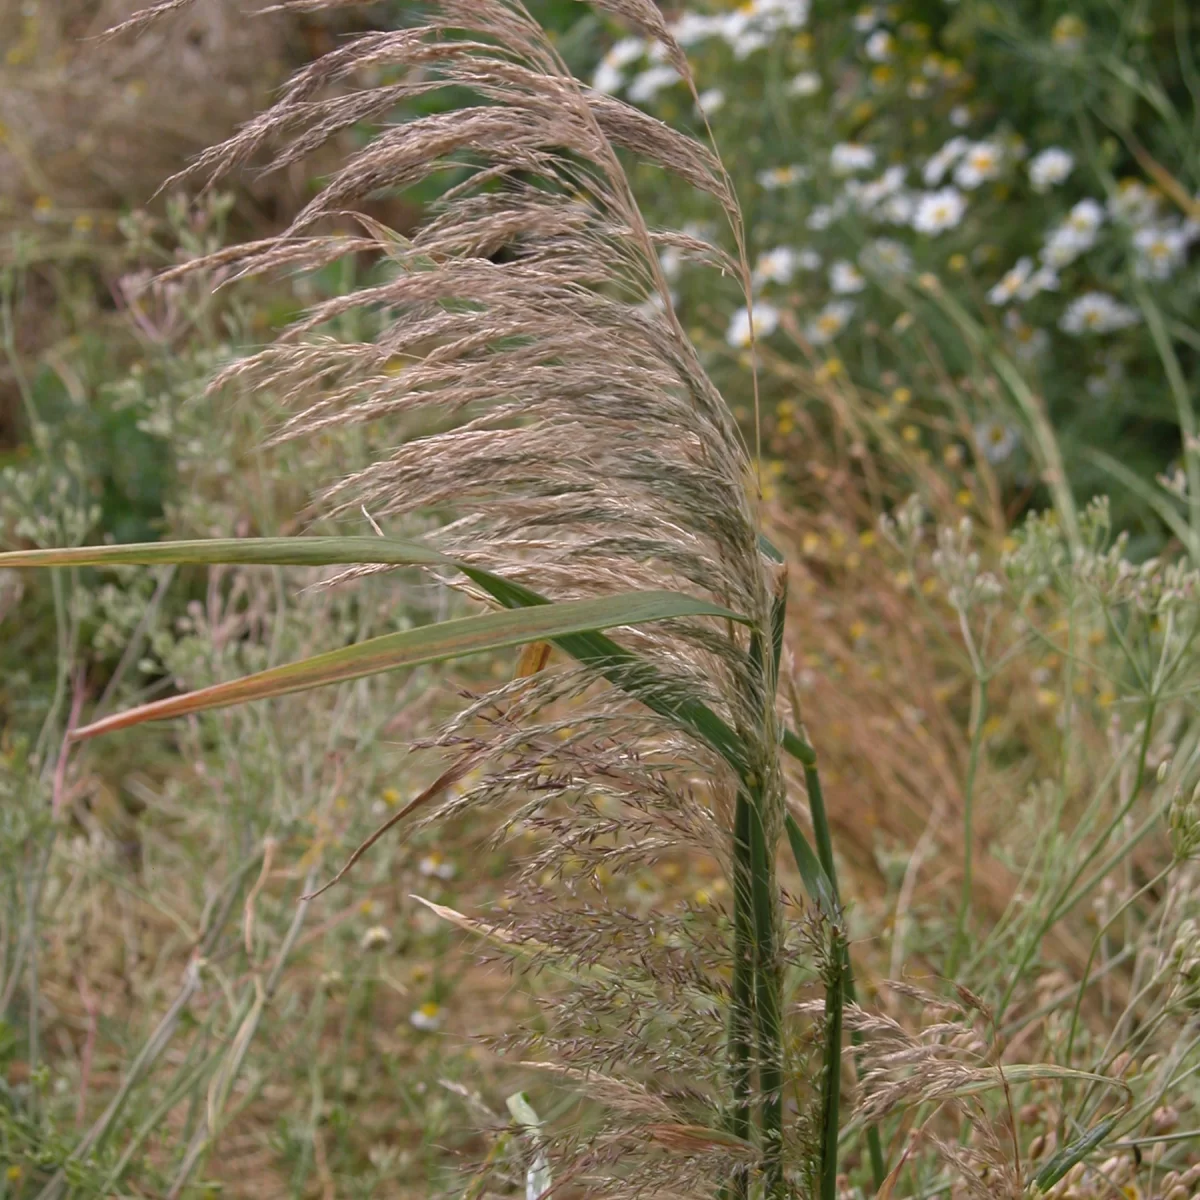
point(1035, 160)
point(553, 447)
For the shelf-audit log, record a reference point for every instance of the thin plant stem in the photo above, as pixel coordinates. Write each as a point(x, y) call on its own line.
point(801, 748)
point(979, 708)
point(831, 1078)
point(1066, 898)
point(763, 911)
point(741, 1014)
point(1091, 958)
point(767, 1001)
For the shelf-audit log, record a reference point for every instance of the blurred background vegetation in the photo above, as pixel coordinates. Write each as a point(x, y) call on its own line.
point(973, 227)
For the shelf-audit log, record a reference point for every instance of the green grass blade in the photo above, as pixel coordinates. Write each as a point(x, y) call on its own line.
point(800, 749)
point(1072, 1153)
point(619, 666)
point(626, 671)
point(816, 882)
point(434, 643)
point(278, 551)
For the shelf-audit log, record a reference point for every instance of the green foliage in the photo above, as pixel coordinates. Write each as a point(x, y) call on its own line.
point(1035, 161)
point(315, 1032)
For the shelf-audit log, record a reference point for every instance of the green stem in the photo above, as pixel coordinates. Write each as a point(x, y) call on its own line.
point(1091, 958)
point(767, 1001)
point(741, 1013)
point(801, 749)
point(831, 1082)
point(979, 707)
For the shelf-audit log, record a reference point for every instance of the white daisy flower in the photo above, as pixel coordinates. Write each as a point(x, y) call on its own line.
point(821, 217)
point(426, 1018)
point(979, 163)
point(845, 278)
point(888, 256)
point(644, 87)
point(778, 177)
point(960, 116)
point(766, 321)
point(671, 259)
point(1096, 312)
point(938, 211)
point(775, 266)
point(880, 46)
point(1103, 383)
point(868, 196)
point(829, 322)
point(610, 73)
point(898, 209)
point(1050, 168)
point(1068, 33)
point(748, 43)
point(1075, 236)
point(436, 866)
point(1086, 217)
point(1133, 203)
point(995, 440)
point(866, 19)
point(782, 14)
point(375, 938)
point(848, 157)
point(1161, 250)
point(935, 169)
point(1044, 279)
point(1064, 246)
point(711, 99)
point(1029, 342)
point(1011, 282)
point(734, 25)
point(694, 27)
point(807, 83)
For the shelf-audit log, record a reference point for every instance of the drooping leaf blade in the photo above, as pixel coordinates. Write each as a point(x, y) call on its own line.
point(623, 669)
point(1076, 1151)
point(431, 643)
point(277, 551)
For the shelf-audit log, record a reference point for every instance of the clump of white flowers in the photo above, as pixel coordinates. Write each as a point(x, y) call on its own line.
point(1056, 272)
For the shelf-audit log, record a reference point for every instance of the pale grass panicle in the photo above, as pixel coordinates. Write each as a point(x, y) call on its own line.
point(552, 427)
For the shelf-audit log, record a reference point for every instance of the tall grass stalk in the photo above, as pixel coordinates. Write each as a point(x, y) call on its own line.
point(591, 478)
